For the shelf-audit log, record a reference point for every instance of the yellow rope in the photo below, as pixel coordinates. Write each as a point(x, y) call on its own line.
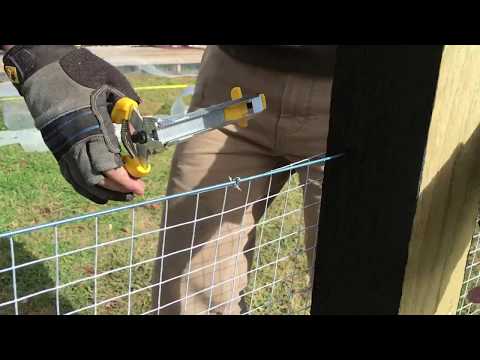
point(10, 98)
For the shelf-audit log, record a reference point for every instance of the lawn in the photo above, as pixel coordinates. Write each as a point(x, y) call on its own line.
point(32, 191)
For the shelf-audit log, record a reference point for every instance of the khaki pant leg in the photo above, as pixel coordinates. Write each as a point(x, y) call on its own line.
point(303, 132)
point(210, 275)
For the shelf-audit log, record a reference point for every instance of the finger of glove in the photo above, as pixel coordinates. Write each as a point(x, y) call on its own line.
point(100, 158)
point(79, 159)
point(97, 190)
point(110, 165)
point(93, 72)
point(102, 106)
point(120, 177)
point(112, 185)
point(84, 192)
point(84, 175)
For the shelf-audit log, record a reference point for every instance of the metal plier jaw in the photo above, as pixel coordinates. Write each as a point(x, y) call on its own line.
point(143, 136)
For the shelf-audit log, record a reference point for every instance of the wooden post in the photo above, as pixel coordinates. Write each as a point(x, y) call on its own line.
point(398, 211)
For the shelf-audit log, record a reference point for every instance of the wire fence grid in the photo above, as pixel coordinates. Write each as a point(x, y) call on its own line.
point(115, 261)
point(119, 261)
point(472, 276)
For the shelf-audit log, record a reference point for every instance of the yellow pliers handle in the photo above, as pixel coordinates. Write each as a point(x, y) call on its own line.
point(122, 113)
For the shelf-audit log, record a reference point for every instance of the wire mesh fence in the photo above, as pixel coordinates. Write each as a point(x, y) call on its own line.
point(123, 260)
point(472, 276)
point(120, 261)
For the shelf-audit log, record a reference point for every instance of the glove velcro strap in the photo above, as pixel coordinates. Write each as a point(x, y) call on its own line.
point(22, 61)
point(61, 134)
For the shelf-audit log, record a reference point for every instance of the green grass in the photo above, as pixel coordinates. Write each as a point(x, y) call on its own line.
point(2, 124)
point(32, 191)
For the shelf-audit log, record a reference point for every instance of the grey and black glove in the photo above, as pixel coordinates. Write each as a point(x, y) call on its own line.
point(70, 93)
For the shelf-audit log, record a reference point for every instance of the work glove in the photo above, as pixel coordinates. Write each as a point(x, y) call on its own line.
point(70, 93)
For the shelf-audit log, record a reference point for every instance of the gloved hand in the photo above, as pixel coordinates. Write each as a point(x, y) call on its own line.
point(70, 93)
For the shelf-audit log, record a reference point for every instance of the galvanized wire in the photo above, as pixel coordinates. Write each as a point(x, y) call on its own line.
point(284, 267)
point(472, 276)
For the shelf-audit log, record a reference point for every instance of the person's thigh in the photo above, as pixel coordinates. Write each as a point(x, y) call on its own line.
point(304, 120)
point(207, 232)
point(303, 132)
